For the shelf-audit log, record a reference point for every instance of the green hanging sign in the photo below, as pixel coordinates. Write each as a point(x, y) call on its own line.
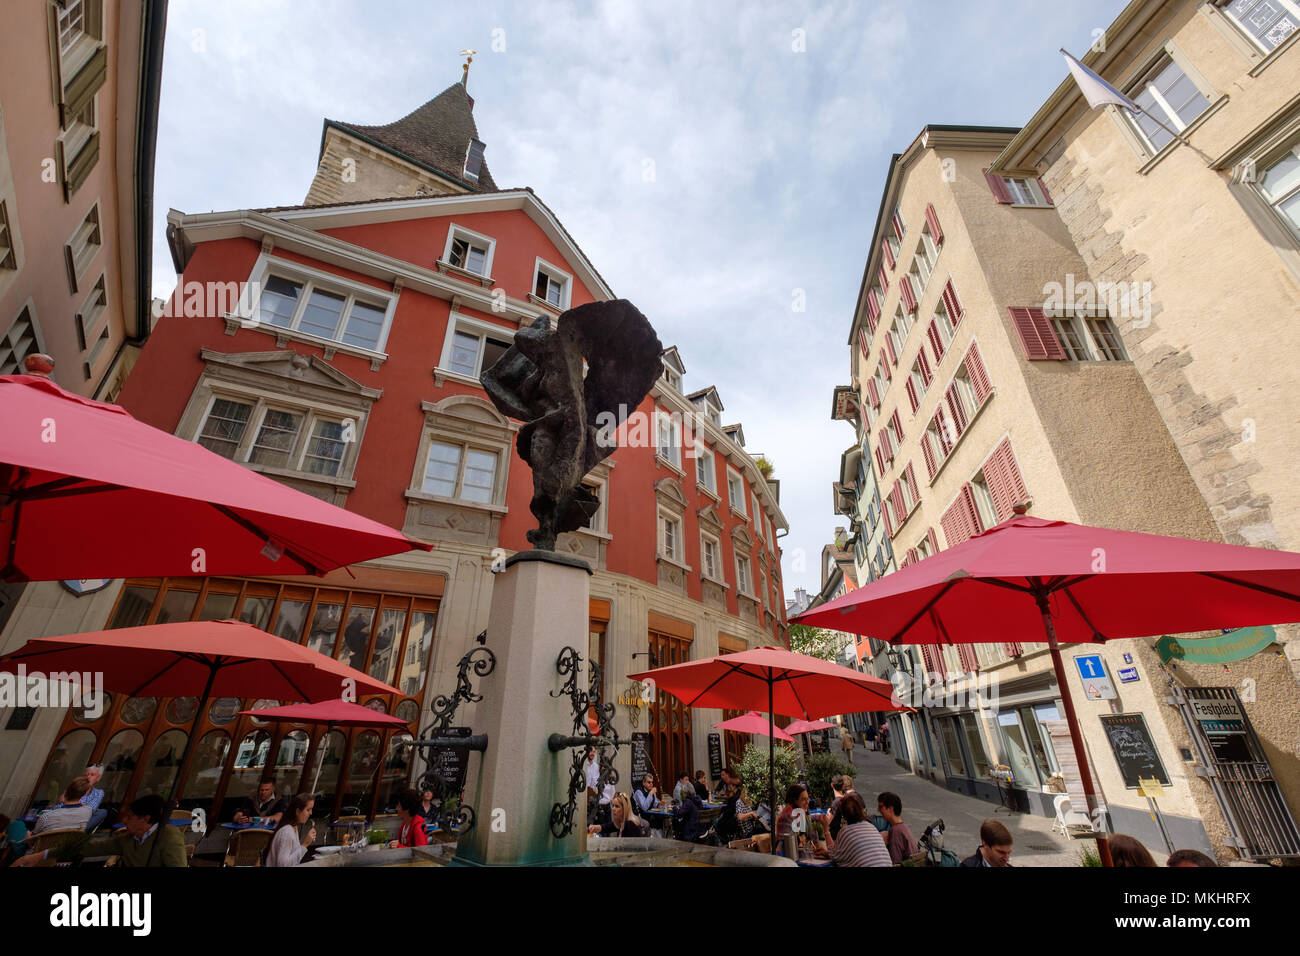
point(1234, 646)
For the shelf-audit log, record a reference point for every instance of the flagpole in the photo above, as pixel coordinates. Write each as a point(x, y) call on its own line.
point(1128, 104)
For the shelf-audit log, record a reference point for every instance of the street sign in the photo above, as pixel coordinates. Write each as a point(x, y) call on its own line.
point(1128, 674)
point(1093, 676)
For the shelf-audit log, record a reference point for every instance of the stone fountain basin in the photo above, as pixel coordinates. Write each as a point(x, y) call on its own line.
point(436, 855)
point(607, 851)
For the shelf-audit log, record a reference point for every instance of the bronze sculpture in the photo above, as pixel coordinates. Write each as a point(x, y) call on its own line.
point(571, 413)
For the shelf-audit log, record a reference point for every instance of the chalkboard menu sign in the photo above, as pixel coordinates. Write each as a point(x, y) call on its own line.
point(715, 756)
point(640, 758)
point(1134, 750)
point(451, 764)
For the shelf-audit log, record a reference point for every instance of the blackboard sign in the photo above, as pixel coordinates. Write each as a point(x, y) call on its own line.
point(715, 756)
point(640, 758)
point(451, 764)
point(1134, 750)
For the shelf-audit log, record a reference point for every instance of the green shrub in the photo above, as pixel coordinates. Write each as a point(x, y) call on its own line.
point(820, 770)
point(753, 771)
point(1088, 856)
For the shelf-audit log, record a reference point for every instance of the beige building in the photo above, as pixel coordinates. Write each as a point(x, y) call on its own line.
point(78, 121)
point(976, 400)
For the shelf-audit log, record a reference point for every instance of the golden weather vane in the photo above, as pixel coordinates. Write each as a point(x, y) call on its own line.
point(469, 55)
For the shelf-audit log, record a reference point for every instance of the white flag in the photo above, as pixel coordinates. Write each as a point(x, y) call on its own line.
point(1096, 90)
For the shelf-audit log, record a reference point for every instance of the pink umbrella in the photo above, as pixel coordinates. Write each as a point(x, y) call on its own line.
point(753, 723)
point(807, 726)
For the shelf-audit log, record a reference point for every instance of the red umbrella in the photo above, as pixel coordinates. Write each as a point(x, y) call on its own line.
point(754, 723)
point(1029, 576)
point(87, 491)
point(807, 726)
point(334, 713)
point(201, 659)
point(775, 680)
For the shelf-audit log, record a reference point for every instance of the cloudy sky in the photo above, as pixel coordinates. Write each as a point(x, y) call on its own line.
point(720, 162)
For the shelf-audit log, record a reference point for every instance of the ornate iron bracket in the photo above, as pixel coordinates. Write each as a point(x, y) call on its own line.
point(453, 815)
point(585, 705)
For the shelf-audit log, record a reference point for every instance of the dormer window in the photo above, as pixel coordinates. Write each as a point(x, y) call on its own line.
point(474, 159)
point(672, 378)
point(551, 286)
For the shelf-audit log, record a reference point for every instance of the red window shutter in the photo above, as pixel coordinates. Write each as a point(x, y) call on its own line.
point(924, 364)
point(872, 393)
point(956, 521)
point(969, 662)
point(972, 512)
point(941, 424)
point(936, 342)
point(912, 556)
point(898, 424)
point(979, 378)
point(910, 475)
point(889, 347)
point(889, 376)
point(928, 652)
point(884, 281)
point(1047, 197)
point(951, 303)
point(898, 227)
point(889, 525)
point(911, 394)
point(1037, 337)
point(905, 291)
point(958, 412)
point(880, 460)
point(1013, 649)
point(873, 308)
point(930, 465)
point(932, 218)
point(999, 187)
point(887, 252)
point(863, 343)
point(933, 539)
point(900, 508)
point(1005, 483)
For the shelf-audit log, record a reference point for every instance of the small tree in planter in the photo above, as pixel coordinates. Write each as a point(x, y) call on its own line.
point(753, 772)
point(821, 769)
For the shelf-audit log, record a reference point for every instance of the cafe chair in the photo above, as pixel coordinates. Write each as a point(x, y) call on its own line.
point(763, 843)
point(54, 840)
point(745, 844)
point(247, 847)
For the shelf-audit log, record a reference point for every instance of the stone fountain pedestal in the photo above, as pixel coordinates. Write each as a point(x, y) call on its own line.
point(539, 607)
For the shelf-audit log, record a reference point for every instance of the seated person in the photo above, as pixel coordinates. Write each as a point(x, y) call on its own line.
point(411, 832)
point(94, 797)
point(69, 813)
point(701, 786)
point(623, 822)
point(143, 841)
point(687, 814)
point(899, 840)
point(683, 785)
point(647, 798)
point(265, 805)
point(13, 840)
point(796, 799)
point(859, 842)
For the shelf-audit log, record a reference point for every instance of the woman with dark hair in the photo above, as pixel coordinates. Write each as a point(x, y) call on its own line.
point(1126, 851)
point(411, 830)
point(796, 799)
point(286, 848)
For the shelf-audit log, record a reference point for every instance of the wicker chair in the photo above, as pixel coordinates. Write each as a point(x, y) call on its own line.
point(247, 847)
point(54, 840)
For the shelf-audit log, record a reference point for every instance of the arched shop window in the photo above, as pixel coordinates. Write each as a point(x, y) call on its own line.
point(289, 762)
point(119, 760)
point(326, 768)
point(204, 774)
point(67, 761)
point(359, 788)
point(246, 773)
point(397, 771)
point(162, 765)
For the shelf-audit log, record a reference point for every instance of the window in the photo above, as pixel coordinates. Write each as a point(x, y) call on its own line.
point(672, 378)
point(771, 546)
point(710, 555)
point(1279, 184)
point(81, 249)
point(923, 263)
point(469, 251)
point(742, 575)
point(551, 285)
point(473, 348)
point(8, 260)
point(19, 342)
point(474, 159)
point(735, 491)
point(669, 439)
point(1167, 93)
point(78, 57)
point(1025, 192)
point(983, 502)
point(457, 471)
point(705, 468)
point(599, 521)
point(78, 148)
point(1092, 339)
point(92, 326)
point(1266, 22)
point(316, 306)
point(670, 537)
point(276, 435)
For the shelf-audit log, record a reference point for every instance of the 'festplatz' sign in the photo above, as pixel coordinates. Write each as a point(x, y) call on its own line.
point(1234, 646)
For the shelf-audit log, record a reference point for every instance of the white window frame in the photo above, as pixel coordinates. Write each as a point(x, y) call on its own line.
point(918, 383)
point(744, 582)
point(11, 343)
point(475, 327)
point(311, 279)
point(706, 464)
point(83, 246)
point(1167, 57)
point(557, 275)
point(1274, 205)
point(674, 424)
point(922, 264)
point(600, 520)
point(669, 519)
point(261, 403)
point(771, 546)
point(943, 321)
point(455, 232)
point(984, 507)
point(1025, 191)
point(715, 574)
point(1083, 330)
point(739, 507)
point(465, 448)
point(673, 378)
point(1289, 8)
point(8, 245)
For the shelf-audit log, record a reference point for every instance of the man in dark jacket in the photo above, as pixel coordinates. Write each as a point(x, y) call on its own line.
point(687, 815)
point(994, 848)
